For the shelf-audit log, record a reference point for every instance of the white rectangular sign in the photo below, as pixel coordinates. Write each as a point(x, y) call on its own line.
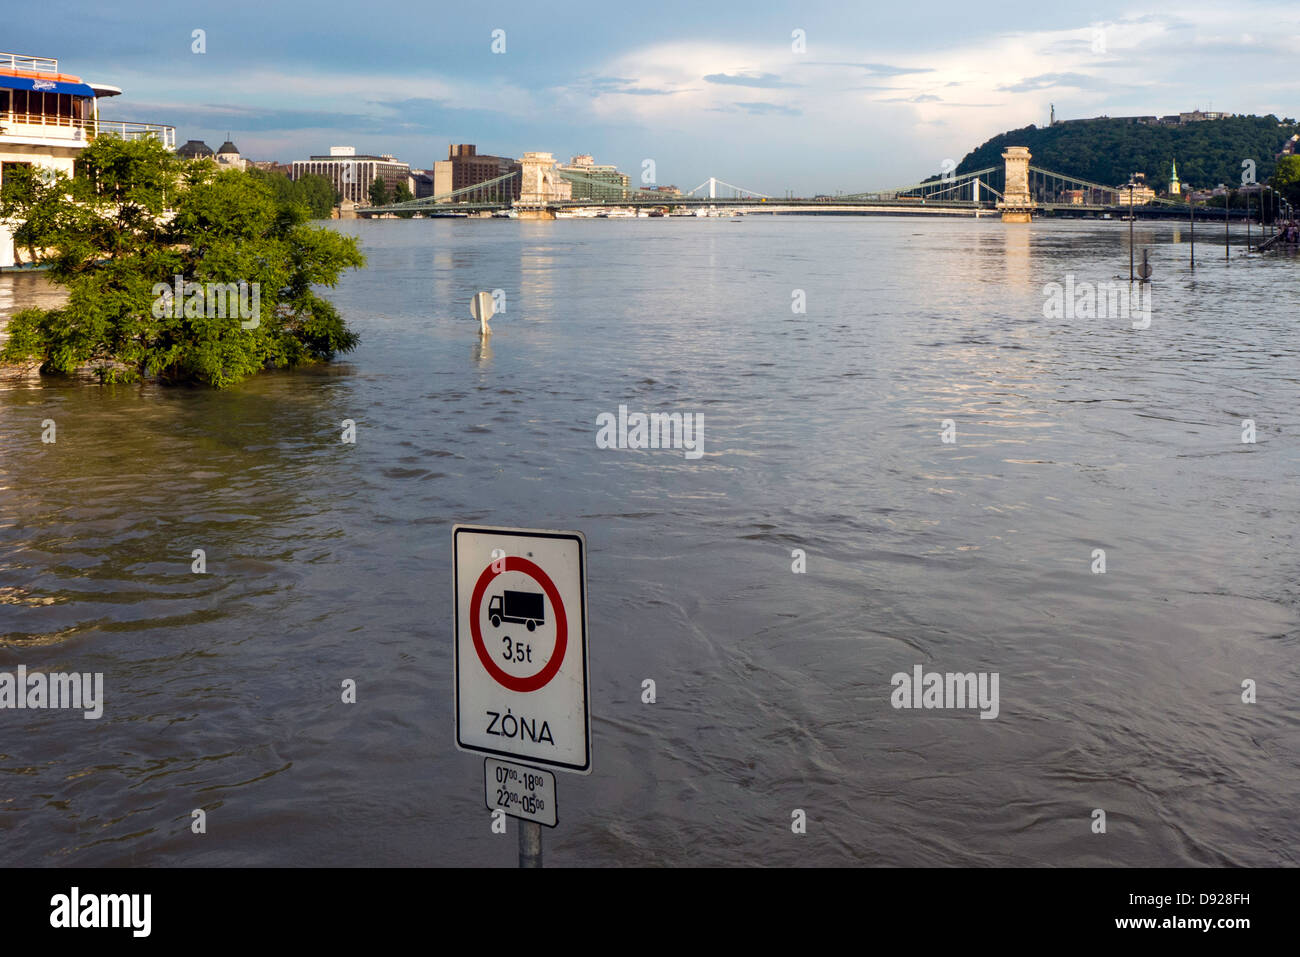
point(522, 792)
point(520, 599)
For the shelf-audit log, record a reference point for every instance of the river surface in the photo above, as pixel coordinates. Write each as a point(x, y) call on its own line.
point(823, 432)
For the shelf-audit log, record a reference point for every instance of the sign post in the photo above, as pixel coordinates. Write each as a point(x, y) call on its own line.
point(520, 599)
point(482, 308)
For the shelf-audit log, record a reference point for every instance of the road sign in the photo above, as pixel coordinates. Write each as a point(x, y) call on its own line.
point(520, 599)
point(519, 791)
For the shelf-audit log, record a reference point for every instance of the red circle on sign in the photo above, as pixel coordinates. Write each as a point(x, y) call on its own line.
point(506, 680)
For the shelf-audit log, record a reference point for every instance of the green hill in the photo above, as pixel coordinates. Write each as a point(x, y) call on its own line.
point(1106, 151)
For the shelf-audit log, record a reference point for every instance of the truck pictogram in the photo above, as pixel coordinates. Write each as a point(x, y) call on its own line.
point(525, 608)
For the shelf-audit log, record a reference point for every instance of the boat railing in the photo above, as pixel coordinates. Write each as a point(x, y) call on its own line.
point(130, 130)
point(34, 64)
point(88, 129)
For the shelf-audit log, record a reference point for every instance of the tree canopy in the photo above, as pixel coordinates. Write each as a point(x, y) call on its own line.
point(1286, 179)
point(1107, 151)
point(314, 192)
point(135, 225)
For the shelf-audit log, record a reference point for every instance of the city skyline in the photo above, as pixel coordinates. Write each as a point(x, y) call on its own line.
point(871, 101)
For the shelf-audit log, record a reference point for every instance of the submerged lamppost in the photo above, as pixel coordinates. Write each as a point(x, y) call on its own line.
point(1227, 203)
point(1131, 217)
point(1247, 222)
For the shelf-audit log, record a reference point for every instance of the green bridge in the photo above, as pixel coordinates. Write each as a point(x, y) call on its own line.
point(974, 193)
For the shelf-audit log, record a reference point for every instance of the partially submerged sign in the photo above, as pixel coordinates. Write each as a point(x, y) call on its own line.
point(520, 599)
point(482, 308)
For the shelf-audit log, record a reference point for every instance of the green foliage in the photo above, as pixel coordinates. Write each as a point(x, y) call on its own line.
point(311, 191)
point(133, 218)
point(402, 194)
point(1107, 151)
point(378, 193)
point(1286, 179)
point(317, 193)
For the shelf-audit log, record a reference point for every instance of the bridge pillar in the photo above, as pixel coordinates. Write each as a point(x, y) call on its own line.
point(1017, 205)
point(540, 186)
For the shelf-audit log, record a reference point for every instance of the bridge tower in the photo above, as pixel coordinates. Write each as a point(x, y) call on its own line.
point(1017, 205)
point(540, 186)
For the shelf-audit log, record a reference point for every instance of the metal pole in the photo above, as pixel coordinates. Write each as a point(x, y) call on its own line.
point(1227, 203)
point(1248, 222)
point(1130, 232)
point(1191, 215)
point(530, 844)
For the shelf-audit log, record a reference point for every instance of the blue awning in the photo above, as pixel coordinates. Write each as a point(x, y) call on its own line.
point(44, 86)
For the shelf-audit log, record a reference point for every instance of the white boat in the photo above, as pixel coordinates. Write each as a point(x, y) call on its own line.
point(47, 117)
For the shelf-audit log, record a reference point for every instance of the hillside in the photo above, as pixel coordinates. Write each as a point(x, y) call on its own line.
point(1107, 150)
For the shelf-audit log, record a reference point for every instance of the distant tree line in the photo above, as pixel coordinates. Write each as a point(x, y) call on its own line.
point(313, 192)
point(1108, 151)
point(380, 196)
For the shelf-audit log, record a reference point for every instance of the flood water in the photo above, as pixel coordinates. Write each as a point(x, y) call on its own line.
point(823, 430)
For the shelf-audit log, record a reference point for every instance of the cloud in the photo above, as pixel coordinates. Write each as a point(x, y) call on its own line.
point(873, 109)
point(875, 69)
point(756, 108)
point(618, 85)
point(762, 80)
point(1044, 81)
point(263, 119)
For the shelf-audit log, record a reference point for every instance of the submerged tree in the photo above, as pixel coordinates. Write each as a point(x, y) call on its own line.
point(153, 250)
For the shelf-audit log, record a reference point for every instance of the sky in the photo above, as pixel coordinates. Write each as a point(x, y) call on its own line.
point(809, 97)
